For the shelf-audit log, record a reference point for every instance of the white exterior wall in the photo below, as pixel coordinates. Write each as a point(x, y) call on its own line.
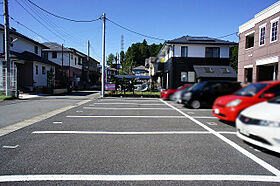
point(66, 57)
point(199, 51)
point(20, 45)
point(40, 78)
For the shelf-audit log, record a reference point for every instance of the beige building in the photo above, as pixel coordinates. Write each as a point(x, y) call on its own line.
point(259, 47)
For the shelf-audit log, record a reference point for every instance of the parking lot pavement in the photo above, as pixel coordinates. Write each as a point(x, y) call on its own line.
point(133, 141)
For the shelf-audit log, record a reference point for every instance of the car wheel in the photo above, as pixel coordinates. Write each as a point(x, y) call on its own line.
point(195, 104)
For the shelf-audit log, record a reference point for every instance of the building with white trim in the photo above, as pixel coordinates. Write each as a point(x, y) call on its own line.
point(259, 47)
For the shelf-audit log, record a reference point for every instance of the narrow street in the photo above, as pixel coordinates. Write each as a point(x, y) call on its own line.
point(132, 141)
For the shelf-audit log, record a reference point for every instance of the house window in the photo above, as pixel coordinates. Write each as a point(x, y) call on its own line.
point(54, 54)
point(250, 41)
point(75, 61)
point(212, 52)
point(184, 77)
point(36, 67)
point(79, 61)
point(262, 35)
point(184, 51)
point(44, 55)
point(36, 49)
point(274, 31)
point(43, 70)
point(71, 56)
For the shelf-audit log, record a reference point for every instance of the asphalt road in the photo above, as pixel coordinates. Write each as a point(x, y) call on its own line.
point(133, 141)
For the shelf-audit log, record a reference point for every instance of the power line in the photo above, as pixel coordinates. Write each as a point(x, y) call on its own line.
point(39, 20)
point(64, 18)
point(28, 28)
point(227, 35)
point(150, 37)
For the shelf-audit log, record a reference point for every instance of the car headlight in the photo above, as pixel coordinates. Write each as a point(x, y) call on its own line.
point(187, 96)
point(234, 103)
point(269, 123)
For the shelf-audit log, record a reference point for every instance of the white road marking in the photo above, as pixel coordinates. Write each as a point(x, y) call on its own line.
point(10, 147)
point(231, 143)
point(25, 123)
point(57, 122)
point(105, 108)
point(126, 104)
point(128, 133)
point(125, 116)
point(155, 177)
point(211, 123)
point(79, 111)
point(190, 112)
point(204, 117)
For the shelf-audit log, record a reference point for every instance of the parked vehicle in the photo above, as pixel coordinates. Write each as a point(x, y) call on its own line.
point(177, 96)
point(205, 93)
point(260, 125)
point(228, 107)
point(166, 94)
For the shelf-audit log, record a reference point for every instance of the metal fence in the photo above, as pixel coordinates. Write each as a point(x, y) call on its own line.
point(12, 89)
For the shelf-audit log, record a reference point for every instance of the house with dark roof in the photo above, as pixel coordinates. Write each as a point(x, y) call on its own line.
point(79, 68)
point(31, 70)
point(140, 70)
point(192, 59)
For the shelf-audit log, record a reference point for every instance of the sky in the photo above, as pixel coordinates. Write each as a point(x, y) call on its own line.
point(158, 18)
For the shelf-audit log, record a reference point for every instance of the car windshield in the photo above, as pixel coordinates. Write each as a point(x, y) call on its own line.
point(197, 86)
point(251, 90)
point(275, 100)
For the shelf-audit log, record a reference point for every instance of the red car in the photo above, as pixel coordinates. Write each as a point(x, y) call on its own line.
point(228, 107)
point(165, 94)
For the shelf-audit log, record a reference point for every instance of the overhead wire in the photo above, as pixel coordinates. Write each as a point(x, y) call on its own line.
point(28, 28)
point(127, 29)
point(64, 18)
point(39, 20)
point(227, 35)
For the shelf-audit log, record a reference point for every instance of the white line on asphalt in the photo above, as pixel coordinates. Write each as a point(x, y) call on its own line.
point(155, 177)
point(10, 147)
point(190, 112)
point(129, 133)
point(204, 117)
point(211, 123)
point(25, 123)
point(105, 108)
point(125, 117)
point(79, 111)
point(126, 104)
point(57, 122)
point(231, 143)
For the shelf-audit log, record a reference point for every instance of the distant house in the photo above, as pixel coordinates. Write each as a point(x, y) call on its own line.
point(259, 47)
point(33, 71)
point(191, 59)
point(140, 70)
point(69, 61)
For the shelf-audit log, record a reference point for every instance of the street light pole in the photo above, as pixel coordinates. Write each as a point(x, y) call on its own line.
point(7, 46)
point(103, 57)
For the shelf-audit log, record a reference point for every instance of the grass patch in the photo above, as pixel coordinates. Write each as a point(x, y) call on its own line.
point(5, 97)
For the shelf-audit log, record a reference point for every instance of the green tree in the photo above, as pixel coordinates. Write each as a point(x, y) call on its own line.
point(233, 57)
point(110, 60)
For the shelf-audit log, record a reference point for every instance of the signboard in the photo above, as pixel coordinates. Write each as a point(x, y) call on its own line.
point(110, 86)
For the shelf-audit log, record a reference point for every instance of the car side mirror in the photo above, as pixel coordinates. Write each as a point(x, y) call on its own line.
point(268, 95)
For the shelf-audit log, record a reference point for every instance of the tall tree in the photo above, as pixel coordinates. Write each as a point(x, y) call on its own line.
point(110, 60)
point(233, 57)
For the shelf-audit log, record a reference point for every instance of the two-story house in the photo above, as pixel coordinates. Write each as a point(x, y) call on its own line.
point(32, 70)
point(69, 61)
point(259, 47)
point(191, 59)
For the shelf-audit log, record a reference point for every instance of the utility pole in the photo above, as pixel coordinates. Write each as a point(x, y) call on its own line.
point(103, 56)
point(88, 50)
point(7, 47)
point(62, 61)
